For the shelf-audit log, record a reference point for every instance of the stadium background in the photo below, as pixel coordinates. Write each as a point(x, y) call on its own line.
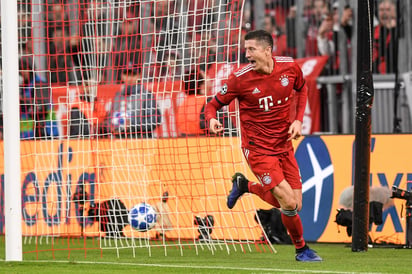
point(87, 160)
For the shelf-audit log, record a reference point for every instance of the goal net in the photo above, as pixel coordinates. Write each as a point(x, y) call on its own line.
point(112, 116)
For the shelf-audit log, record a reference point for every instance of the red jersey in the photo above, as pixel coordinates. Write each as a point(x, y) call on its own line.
point(264, 104)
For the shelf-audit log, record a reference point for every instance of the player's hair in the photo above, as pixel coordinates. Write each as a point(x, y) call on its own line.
point(261, 36)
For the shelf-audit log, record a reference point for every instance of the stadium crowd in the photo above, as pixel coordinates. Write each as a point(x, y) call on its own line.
point(88, 43)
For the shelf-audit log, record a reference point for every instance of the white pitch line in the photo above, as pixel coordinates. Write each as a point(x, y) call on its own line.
point(277, 270)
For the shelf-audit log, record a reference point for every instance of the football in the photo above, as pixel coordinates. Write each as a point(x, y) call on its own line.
point(120, 119)
point(142, 217)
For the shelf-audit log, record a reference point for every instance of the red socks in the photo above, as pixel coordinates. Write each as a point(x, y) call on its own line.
point(294, 226)
point(292, 223)
point(266, 196)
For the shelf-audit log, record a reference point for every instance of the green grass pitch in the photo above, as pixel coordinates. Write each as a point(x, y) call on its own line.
point(338, 258)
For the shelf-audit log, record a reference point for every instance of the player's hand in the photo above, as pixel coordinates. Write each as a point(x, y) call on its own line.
point(215, 126)
point(295, 130)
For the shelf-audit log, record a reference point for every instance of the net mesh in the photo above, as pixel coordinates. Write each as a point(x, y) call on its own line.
point(112, 98)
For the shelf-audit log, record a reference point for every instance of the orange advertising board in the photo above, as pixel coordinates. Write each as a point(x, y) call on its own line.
point(390, 166)
point(196, 172)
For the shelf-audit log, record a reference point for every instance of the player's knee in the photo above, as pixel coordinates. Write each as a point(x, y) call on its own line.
point(290, 204)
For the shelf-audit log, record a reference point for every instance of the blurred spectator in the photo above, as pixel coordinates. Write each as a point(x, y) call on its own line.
point(98, 31)
point(346, 19)
point(197, 14)
point(167, 86)
point(242, 51)
point(25, 28)
point(314, 12)
point(134, 111)
point(96, 57)
point(127, 45)
point(229, 34)
point(86, 111)
point(385, 38)
point(204, 51)
point(235, 37)
point(166, 21)
point(35, 106)
point(279, 38)
point(56, 16)
point(328, 34)
point(170, 68)
point(209, 50)
point(247, 15)
point(188, 116)
point(64, 60)
point(278, 9)
point(320, 12)
point(327, 28)
point(290, 25)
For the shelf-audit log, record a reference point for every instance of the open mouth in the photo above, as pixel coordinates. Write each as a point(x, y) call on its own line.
point(252, 62)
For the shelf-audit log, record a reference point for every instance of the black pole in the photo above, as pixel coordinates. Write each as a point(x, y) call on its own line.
point(408, 241)
point(364, 100)
point(396, 120)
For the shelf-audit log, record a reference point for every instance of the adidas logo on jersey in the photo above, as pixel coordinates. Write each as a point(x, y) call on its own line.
point(256, 91)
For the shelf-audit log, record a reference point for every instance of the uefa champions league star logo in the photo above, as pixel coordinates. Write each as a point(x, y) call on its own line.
point(317, 176)
point(223, 91)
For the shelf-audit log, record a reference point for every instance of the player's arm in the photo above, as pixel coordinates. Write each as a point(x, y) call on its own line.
point(301, 96)
point(228, 92)
point(210, 115)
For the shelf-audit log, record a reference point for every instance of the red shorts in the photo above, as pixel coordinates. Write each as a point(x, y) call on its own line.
point(273, 169)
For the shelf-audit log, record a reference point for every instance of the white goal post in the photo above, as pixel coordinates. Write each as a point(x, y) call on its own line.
point(11, 123)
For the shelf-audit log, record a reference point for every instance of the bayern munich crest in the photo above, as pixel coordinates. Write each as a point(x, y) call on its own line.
point(266, 179)
point(284, 81)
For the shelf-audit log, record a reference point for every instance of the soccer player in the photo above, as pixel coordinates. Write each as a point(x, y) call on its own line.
point(265, 89)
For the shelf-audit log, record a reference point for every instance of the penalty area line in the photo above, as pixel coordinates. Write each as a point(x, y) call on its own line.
point(277, 270)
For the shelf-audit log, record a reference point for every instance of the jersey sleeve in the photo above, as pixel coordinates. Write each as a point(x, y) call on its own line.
point(226, 94)
point(300, 81)
point(301, 94)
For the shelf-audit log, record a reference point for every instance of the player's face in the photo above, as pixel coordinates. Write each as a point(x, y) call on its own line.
point(259, 55)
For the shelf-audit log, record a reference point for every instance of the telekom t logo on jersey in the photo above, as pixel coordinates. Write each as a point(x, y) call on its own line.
point(266, 102)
